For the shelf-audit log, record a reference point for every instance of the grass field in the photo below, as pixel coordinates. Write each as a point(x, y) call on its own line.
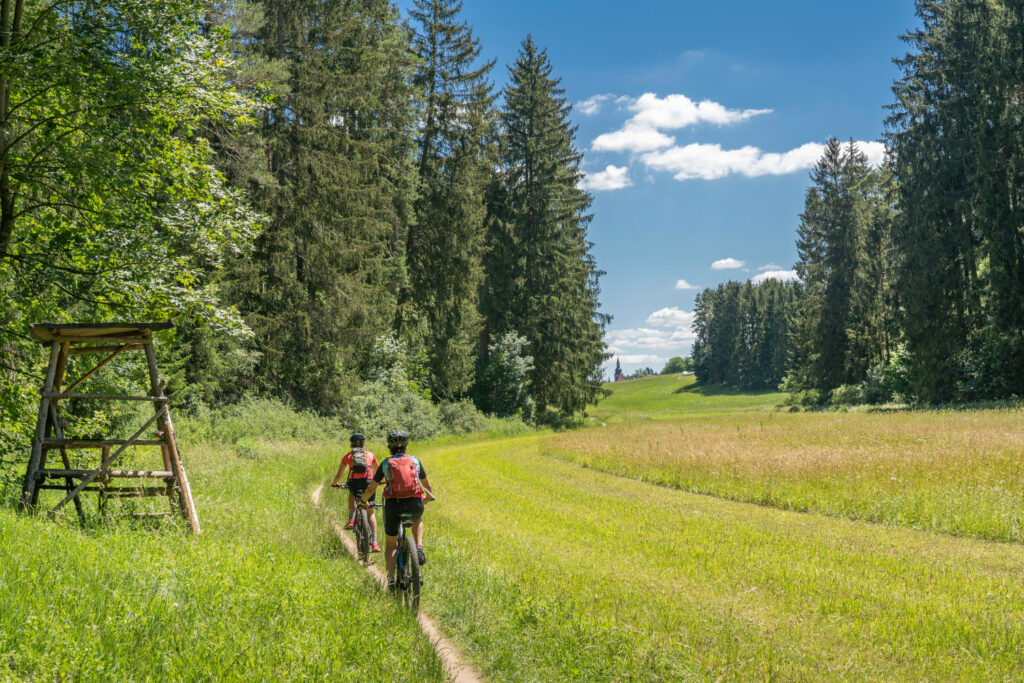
point(577, 555)
point(266, 593)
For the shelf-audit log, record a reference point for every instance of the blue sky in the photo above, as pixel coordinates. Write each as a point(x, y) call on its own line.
point(699, 140)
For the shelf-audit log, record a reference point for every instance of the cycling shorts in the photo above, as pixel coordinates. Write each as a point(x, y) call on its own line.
point(394, 507)
point(357, 486)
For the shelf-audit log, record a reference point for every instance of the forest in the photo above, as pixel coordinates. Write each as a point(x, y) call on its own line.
point(332, 201)
point(912, 274)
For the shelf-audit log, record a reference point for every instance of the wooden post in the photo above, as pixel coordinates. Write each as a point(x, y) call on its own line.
point(28, 491)
point(188, 509)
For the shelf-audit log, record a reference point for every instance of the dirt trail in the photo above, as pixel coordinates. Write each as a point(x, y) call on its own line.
point(458, 670)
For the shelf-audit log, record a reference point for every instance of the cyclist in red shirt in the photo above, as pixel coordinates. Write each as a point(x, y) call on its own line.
point(403, 493)
point(361, 465)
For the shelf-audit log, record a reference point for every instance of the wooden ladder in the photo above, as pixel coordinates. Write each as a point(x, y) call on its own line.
point(110, 339)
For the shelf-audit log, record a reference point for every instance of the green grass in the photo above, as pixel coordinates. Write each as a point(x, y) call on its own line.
point(265, 593)
point(668, 396)
point(959, 472)
point(543, 570)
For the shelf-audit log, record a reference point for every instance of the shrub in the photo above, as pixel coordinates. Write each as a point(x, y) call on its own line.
point(255, 418)
point(377, 408)
point(846, 395)
point(503, 384)
point(877, 386)
point(461, 417)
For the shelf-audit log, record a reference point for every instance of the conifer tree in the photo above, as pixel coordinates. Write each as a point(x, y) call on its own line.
point(542, 280)
point(445, 242)
point(330, 261)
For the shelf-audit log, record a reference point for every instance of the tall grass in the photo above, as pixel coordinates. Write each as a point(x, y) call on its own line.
point(959, 472)
point(543, 570)
point(265, 593)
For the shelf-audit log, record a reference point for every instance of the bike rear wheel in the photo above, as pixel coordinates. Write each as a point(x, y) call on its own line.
point(411, 571)
point(362, 535)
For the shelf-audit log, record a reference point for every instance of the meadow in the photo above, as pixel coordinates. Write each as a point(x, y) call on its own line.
point(563, 556)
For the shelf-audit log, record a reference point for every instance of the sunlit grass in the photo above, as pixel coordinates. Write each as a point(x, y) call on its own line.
point(960, 472)
point(546, 571)
point(265, 593)
point(676, 395)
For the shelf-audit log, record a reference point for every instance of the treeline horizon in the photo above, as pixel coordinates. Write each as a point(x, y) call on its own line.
point(911, 274)
point(331, 200)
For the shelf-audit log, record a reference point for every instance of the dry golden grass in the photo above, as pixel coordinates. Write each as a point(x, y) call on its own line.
point(957, 472)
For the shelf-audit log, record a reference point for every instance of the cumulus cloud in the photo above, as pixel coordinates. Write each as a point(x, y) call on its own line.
point(727, 264)
point(592, 105)
point(683, 284)
point(780, 275)
point(710, 161)
point(640, 358)
point(611, 178)
point(652, 114)
point(770, 266)
point(671, 317)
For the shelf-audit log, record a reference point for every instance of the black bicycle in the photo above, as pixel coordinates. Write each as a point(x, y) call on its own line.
point(361, 527)
point(407, 566)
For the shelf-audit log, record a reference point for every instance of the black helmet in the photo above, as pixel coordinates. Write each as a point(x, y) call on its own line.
point(357, 439)
point(398, 439)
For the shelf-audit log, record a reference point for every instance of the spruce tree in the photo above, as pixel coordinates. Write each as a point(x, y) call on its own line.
point(542, 280)
point(445, 242)
point(329, 263)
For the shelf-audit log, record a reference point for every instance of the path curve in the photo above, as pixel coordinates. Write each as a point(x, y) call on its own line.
point(457, 669)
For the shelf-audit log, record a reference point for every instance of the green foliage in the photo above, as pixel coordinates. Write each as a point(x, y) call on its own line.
point(503, 384)
point(391, 363)
point(641, 372)
point(377, 408)
point(847, 395)
point(541, 277)
point(254, 419)
point(445, 241)
point(461, 417)
point(677, 364)
point(743, 333)
point(954, 130)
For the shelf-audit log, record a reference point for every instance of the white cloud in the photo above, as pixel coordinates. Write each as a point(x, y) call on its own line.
point(710, 161)
point(611, 178)
point(671, 317)
point(683, 284)
point(780, 275)
point(727, 263)
point(632, 139)
point(770, 266)
point(640, 358)
point(592, 105)
point(642, 132)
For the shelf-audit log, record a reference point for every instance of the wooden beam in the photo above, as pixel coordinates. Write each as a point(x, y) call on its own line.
point(103, 349)
point(28, 490)
point(95, 369)
point(103, 340)
point(107, 474)
point(107, 460)
point(117, 491)
point(79, 444)
point(105, 397)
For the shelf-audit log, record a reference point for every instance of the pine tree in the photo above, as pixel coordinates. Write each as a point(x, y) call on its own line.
point(445, 243)
point(330, 262)
point(827, 246)
point(542, 280)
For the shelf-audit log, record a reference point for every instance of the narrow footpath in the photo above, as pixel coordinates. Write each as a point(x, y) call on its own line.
point(454, 665)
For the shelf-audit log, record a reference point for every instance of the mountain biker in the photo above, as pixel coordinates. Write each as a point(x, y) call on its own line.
point(403, 494)
point(361, 464)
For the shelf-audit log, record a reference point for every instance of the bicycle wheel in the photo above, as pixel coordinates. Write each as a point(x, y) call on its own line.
point(412, 572)
point(362, 535)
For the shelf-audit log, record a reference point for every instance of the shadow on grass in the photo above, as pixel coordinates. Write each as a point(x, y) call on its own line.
point(720, 390)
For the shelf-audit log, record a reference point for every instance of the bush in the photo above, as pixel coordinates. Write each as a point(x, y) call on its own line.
point(877, 386)
point(846, 395)
point(503, 384)
point(376, 409)
point(461, 417)
point(255, 418)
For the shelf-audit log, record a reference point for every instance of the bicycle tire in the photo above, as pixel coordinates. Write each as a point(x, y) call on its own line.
point(362, 535)
point(412, 571)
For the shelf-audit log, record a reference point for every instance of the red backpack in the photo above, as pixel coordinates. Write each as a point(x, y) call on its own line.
point(403, 478)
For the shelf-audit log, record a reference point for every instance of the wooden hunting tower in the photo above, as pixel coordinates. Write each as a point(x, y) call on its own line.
point(110, 340)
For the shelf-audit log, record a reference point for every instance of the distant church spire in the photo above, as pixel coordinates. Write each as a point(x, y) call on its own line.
point(619, 377)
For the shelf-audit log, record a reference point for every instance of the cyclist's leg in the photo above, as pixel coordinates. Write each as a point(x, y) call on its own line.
point(417, 531)
point(391, 524)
